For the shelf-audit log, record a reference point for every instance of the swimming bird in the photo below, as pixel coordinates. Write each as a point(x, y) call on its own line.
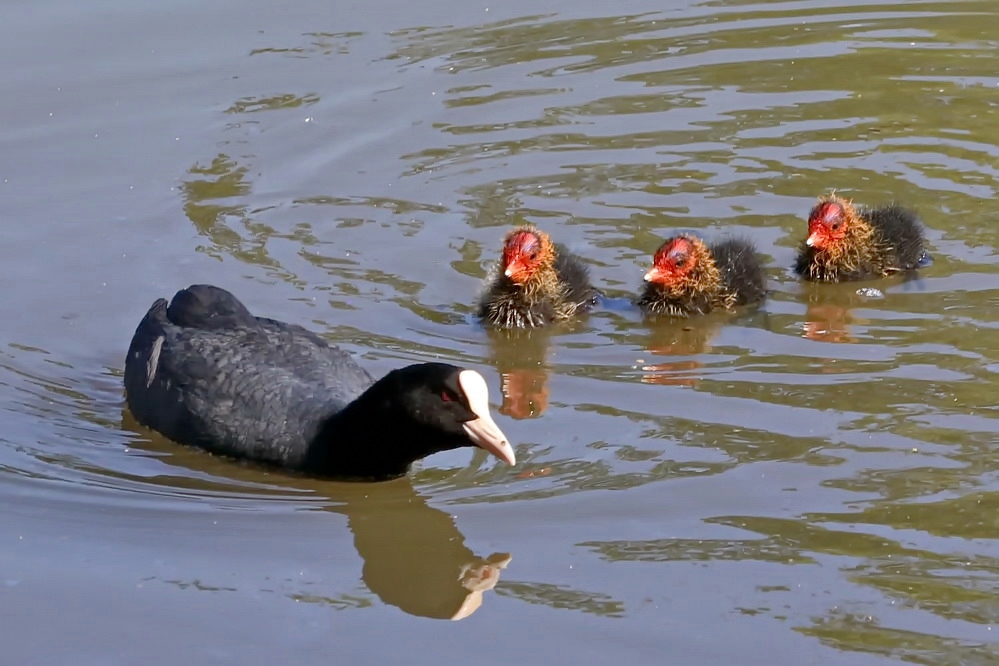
point(537, 283)
point(689, 277)
point(853, 243)
point(205, 372)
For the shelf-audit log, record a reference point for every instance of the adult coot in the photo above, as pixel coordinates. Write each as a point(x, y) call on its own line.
point(537, 283)
point(204, 371)
point(688, 277)
point(853, 243)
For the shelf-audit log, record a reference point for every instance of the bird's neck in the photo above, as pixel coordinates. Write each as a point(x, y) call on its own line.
point(544, 284)
point(370, 439)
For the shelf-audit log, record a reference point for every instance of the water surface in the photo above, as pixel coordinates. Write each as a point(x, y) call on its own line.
point(813, 482)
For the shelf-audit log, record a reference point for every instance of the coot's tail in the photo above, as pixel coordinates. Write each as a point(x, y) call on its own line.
point(144, 353)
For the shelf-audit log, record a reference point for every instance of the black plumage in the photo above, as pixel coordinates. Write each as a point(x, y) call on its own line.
point(741, 270)
point(900, 229)
point(204, 371)
point(575, 275)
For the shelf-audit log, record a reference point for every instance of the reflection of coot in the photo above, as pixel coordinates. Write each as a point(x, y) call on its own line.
point(414, 556)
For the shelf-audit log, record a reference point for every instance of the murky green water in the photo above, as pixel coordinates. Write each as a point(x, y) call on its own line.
point(813, 483)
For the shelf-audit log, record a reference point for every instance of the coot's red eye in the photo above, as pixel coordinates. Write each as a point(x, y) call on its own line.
point(446, 397)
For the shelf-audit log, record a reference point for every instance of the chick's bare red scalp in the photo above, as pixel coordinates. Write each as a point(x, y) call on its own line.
point(672, 260)
point(827, 225)
point(525, 251)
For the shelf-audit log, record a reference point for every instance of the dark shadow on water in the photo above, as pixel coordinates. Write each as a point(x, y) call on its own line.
point(415, 558)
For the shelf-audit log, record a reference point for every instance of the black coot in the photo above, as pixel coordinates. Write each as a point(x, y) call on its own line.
point(204, 371)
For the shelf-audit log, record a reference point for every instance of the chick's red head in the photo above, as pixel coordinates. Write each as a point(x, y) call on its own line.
point(827, 225)
point(672, 261)
point(524, 253)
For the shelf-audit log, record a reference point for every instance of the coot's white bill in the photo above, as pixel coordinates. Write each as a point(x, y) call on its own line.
point(483, 430)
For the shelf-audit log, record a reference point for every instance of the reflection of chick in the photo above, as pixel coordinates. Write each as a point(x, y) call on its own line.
point(848, 243)
point(827, 322)
point(520, 356)
point(673, 373)
point(830, 317)
point(537, 283)
point(670, 338)
point(525, 392)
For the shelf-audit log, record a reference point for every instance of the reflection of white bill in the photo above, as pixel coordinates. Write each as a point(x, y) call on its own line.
point(479, 577)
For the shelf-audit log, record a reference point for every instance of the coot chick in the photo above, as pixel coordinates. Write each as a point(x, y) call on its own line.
point(688, 277)
point(537, 283)
point(853, 243)
point(203, 371)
